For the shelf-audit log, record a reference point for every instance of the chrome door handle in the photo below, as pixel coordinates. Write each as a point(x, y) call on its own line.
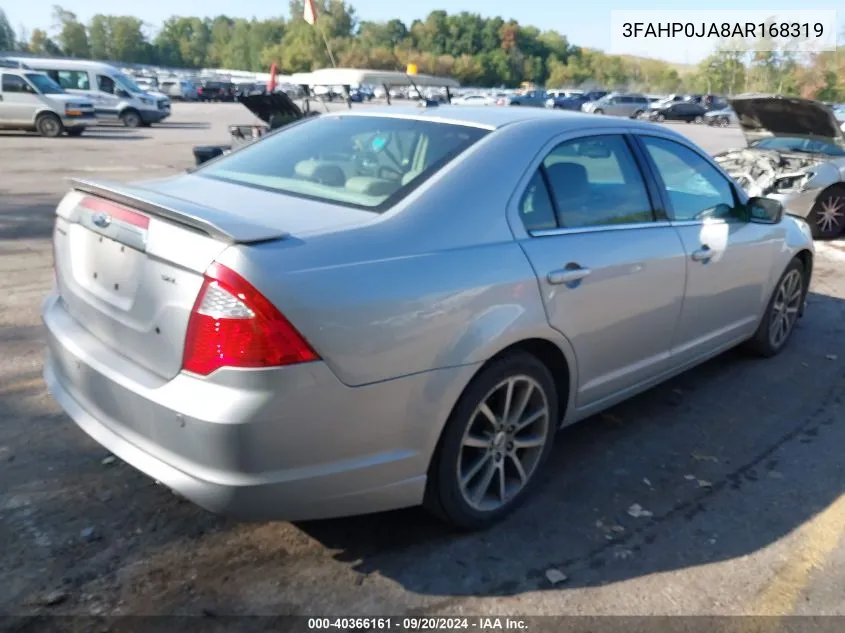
point(702, 254)
point(567, 275)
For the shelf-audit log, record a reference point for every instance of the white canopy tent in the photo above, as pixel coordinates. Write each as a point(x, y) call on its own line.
point(347, 77)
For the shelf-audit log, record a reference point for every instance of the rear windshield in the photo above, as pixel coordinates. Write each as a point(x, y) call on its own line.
point(367, 162)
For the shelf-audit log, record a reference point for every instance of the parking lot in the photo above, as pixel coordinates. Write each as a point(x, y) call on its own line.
point(737, 464)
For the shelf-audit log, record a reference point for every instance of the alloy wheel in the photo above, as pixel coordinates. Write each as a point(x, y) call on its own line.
point(503, 443)
point(785, 308)
point(831, 214)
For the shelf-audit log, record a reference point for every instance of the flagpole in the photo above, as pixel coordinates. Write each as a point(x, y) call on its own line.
point(326, 41)
point(309, 14)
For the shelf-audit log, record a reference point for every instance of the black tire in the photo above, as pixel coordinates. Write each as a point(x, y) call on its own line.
point(699, 119)
point(49, 125)
point(830, 203)
point(637, 114)
point(443, 496)
point(598, 111)
point(131, 118)
point(660, 118)
point(722, 122)
point(76, 131)
point(761, 343)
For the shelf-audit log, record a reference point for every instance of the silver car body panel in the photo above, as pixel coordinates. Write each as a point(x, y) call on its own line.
point(403, 308)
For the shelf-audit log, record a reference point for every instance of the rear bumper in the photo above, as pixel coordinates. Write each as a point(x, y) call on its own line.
point(291, 443)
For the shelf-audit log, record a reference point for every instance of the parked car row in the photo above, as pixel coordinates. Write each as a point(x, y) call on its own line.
point(114, 96)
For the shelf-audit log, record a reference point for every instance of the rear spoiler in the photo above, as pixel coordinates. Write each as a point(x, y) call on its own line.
point(221, 225)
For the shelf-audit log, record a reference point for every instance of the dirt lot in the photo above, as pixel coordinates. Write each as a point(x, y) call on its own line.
point(739, 462)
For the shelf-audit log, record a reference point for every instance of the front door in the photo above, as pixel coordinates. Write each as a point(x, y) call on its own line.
point(19, 101)
point(611, 274)
point(729, 257)
point(108, 104)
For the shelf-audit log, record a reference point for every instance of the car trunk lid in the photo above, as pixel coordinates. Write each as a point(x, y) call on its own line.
point(130, 264)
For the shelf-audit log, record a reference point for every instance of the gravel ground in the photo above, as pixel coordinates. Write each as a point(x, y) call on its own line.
point(739, 463)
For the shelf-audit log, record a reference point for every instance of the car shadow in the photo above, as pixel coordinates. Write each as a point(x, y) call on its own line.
point(710, 456)
point(165, 125)
point(26, 221)
point(727, 458)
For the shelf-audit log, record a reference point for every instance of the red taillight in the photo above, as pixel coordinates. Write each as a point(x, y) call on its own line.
point(234, 325)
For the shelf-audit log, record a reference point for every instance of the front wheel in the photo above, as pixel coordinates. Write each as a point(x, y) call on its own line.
point(782, 313)
point(661, 118)
point(49, 125)
point(495, 443)
point(827, 217)
point(131, 118)
point(637, 114)
point(598, 111)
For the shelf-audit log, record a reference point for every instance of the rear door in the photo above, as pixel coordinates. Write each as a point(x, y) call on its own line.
point(18, 101)
point(611, 269)
point(729, 258)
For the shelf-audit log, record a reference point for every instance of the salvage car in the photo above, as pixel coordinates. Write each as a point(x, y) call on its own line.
point(795, 154)
point(274, 109)
point(288, 332)
point(720, 118)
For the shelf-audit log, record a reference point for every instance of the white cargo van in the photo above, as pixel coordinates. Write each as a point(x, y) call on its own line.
point(30, 100)
point(116, 97)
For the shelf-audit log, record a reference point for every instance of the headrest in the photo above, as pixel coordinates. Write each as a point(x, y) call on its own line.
point(371, 186)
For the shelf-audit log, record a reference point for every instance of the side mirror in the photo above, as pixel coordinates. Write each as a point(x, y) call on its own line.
point(765, 210)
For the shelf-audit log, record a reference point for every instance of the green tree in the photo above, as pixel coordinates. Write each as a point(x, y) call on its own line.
point(8, 40)
point(41, 44)
point(72, 37)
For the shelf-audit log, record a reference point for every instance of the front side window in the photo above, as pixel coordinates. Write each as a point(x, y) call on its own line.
point(368, 162)
point(696, 190)
point(44, 84)
point(106, 84)
point(595, 181)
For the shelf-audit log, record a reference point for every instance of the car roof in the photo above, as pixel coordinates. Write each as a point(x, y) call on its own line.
point(493, 117)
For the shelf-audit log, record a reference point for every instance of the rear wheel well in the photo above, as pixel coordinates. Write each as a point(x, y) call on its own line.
point(550, 355)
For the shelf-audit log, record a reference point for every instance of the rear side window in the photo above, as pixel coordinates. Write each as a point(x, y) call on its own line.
point(595, 181)
point(361, 161)
point(71, 79)
point(13, 83)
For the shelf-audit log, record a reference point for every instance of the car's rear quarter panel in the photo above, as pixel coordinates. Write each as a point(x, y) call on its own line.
point(438, 282)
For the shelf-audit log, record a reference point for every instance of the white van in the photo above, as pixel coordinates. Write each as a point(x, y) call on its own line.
point(116, 96)
point(30, 100)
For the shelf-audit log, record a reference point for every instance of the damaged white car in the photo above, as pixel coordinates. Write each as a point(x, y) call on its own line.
point(795, 154)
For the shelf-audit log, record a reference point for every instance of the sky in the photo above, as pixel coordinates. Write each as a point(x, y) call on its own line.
point(584, 23)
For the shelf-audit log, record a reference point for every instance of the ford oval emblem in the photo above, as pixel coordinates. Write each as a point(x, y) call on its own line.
point(101, 219)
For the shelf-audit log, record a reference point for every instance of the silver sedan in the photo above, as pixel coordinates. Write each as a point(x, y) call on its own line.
point(384, 308)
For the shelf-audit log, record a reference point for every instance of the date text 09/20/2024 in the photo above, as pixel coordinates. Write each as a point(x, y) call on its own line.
point(410, 624)
point(744, 30)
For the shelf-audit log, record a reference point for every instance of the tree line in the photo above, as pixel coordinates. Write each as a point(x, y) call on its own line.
point(475, 50)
